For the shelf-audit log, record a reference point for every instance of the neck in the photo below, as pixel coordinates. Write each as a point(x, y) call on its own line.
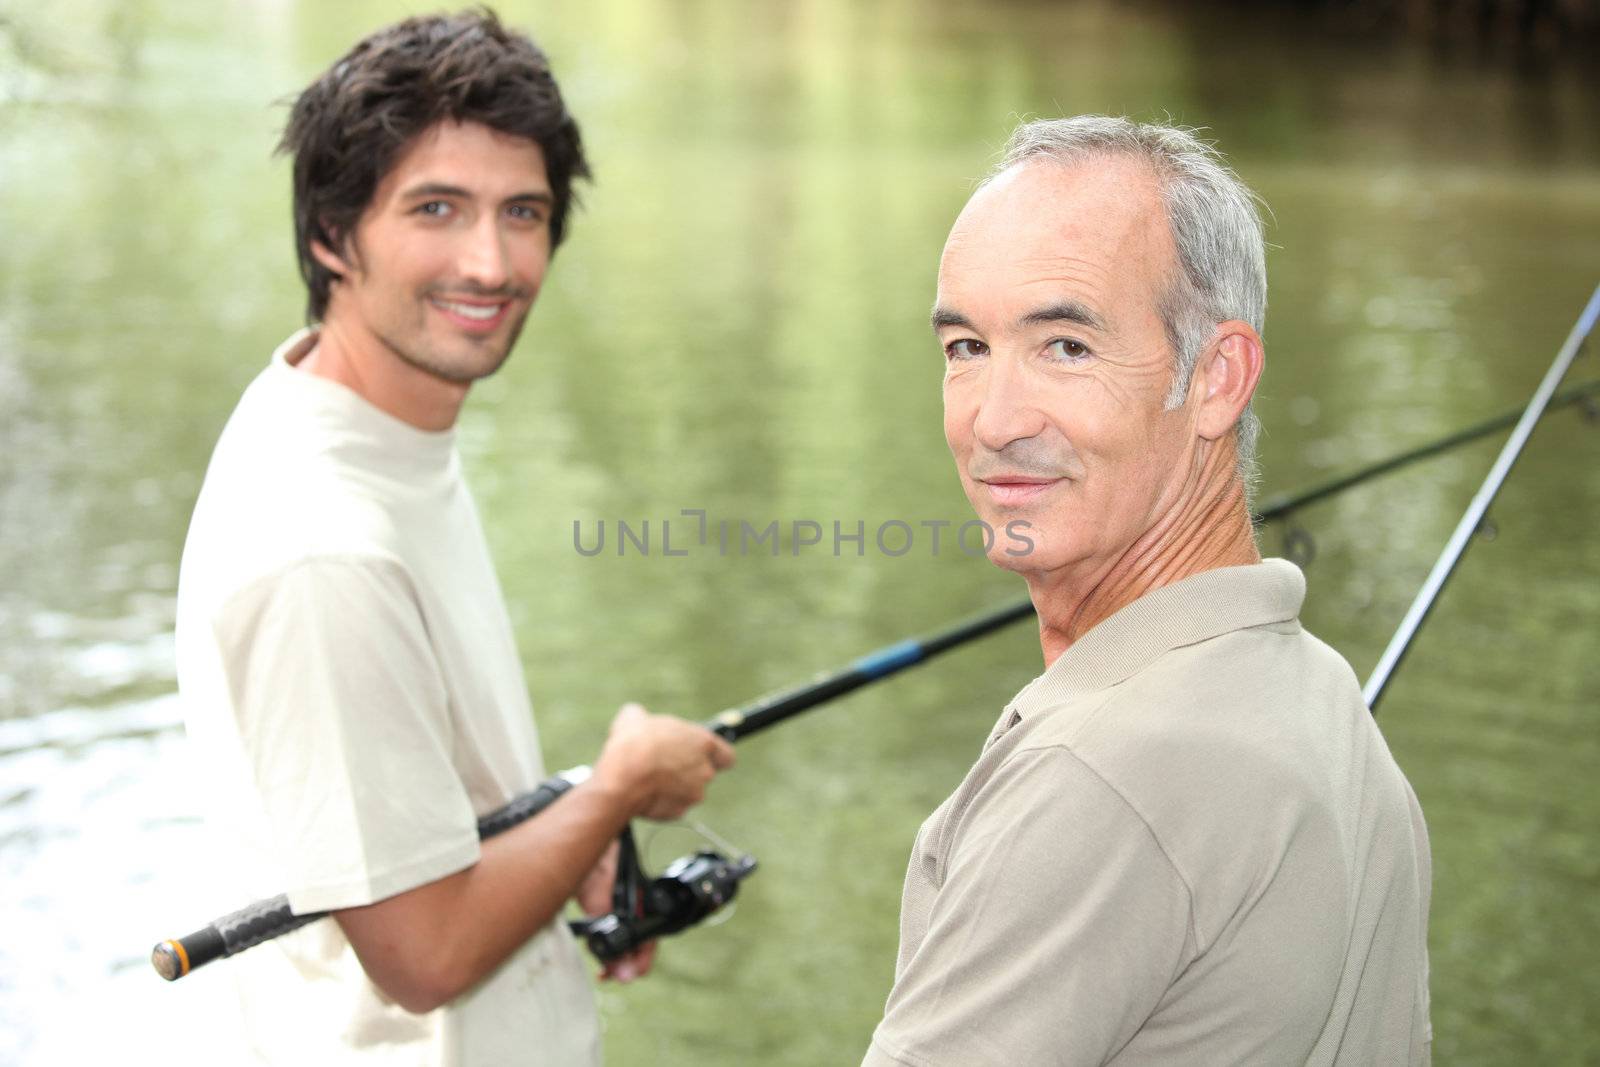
point(1208, 527)
point(370, 367)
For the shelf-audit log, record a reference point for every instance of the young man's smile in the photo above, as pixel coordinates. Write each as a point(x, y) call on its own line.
point(442, 269)
point(473, 315)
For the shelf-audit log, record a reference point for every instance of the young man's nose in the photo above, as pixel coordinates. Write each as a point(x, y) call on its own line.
point(483, 258)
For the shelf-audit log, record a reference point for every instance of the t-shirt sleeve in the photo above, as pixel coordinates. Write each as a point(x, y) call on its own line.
point(344, 719)
point(1058, 926)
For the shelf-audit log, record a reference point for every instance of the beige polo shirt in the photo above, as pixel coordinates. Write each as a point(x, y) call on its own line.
point(1184, 843)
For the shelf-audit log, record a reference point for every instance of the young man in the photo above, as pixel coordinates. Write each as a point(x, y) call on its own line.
point(1186, 842)
point(347, 667)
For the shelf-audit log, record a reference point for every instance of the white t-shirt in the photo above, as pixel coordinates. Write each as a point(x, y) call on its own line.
point(354, 701)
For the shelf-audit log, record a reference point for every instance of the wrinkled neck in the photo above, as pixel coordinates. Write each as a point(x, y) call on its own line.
point(1207, 527)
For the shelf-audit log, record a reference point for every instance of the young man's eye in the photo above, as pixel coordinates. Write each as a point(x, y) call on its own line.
point(525, 213)
point(434, 209)
point(965, 348)
point(1068, 350)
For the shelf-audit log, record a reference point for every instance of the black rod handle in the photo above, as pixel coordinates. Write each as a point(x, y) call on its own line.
point(267, 919)
point(234, 932)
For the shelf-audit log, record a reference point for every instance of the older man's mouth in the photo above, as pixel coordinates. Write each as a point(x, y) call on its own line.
point(1016, 490)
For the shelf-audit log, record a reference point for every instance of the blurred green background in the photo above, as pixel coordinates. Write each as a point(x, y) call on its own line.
point(739, 324)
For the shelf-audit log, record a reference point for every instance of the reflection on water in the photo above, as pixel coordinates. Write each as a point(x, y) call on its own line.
point(88, 832)
point(739, 325)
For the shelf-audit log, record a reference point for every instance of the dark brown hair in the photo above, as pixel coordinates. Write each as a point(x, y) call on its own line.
point(347, 129)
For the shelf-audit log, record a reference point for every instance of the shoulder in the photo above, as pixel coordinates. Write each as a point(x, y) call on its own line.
point(1250, 716)
point(1039, 819)
point(1251, 757)
point(1043, 780)
point(276, 494)
point(265, 530)
point(1269, 700)
point(354, 607)
point(1044, 800)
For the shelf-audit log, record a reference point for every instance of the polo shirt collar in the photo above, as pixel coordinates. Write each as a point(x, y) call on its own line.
point(1198, 608)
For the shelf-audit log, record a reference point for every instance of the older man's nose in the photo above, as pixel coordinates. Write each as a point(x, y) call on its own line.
point(1006, 412)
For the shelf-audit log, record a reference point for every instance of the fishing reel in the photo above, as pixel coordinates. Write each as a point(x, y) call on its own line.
point(690, 889)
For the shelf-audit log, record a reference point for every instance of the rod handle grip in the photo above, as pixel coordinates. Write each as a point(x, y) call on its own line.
point(266, 919)
point(233, 933)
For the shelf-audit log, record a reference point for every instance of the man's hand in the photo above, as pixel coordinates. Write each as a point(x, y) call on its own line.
point(661, 764)
point(594, 896)
point(426, 946)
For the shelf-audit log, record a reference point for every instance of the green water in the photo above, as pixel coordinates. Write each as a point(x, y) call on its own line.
point(739, 324)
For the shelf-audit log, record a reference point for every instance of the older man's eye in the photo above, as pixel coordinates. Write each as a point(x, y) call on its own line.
point(1068, 350)
point(966, 348)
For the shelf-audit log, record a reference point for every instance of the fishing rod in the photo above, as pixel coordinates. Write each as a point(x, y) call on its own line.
point(1472, 519)
point(677, 899)
point(1283, 504)
point(686, 892)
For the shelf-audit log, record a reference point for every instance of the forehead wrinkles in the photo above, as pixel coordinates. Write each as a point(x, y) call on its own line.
point(1101, 224)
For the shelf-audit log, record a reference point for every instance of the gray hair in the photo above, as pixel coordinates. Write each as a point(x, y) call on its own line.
point(1212, 214)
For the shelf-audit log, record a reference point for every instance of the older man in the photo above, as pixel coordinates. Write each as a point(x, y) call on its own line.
point(1186, 842)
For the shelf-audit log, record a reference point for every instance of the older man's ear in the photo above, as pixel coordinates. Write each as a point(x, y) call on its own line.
point(1226, 377)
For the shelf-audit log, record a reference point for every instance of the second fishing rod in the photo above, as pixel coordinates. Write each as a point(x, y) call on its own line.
point(697, 885)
